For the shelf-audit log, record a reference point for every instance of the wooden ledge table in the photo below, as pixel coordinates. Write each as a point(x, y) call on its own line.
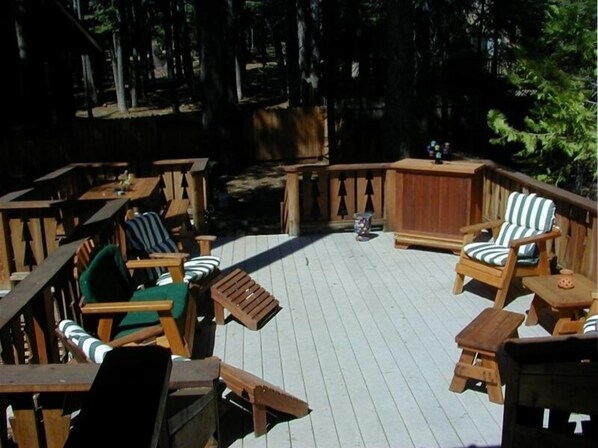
point(568, 304)
point(143, 191)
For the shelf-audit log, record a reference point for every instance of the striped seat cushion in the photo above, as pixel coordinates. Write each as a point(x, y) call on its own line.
point(94, 349)
point(146, 234)
point(526, 215)
point(195, 269)
point(591, 325)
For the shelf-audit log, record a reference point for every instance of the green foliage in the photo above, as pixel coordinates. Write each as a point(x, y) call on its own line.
point(558, 136)
point(104, 17)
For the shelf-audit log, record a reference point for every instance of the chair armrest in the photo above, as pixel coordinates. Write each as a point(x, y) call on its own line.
point(127, 307)
point(172, 255)
point(475, 228)
point(174, 262)
point(555, 232)
point(205, 243)
point(164, 261)
point(139, 336)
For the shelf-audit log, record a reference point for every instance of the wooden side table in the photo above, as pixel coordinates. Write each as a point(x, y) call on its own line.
point(433, 202)
point(567, 304)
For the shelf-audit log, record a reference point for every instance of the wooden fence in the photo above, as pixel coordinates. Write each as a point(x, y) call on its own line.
point(276, 134)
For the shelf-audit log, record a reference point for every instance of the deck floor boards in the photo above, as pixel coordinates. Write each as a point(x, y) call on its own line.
point(366, 337)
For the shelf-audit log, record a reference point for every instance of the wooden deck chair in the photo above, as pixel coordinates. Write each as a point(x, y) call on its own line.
point(147, 237)
point(191, 414)
point(109, 297)
point(517, 248)
point(260, 394)
point(126, 403)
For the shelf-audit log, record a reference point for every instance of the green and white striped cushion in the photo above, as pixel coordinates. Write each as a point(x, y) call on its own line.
point(195, 269)
point(146, 234)
point(526, 215)
point(94, 349)
point(591, 325)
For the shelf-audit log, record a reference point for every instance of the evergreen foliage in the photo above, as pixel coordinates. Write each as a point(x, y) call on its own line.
point(557, 139)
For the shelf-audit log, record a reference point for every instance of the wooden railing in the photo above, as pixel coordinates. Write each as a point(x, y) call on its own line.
point(34, 221)
point(179, 179)
point(31, 310)
point(576, 216)
point(324, 197)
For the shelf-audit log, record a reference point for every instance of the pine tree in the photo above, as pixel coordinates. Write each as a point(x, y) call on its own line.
point(558, 136)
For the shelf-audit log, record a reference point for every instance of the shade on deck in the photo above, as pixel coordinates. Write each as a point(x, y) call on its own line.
point(366, 337)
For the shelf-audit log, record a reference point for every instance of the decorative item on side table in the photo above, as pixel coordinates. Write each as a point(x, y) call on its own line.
point(437, 152)
point(362, 226)
point(566, 280)
point(125, 182)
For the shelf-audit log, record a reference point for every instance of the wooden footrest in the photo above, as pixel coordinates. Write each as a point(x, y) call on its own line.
point(244, 298)
point(261, 395)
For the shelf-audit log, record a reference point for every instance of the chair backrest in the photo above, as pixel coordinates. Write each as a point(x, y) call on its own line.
point(146, 234)
point(106, 278)
point(126, 403)
point(526, 215)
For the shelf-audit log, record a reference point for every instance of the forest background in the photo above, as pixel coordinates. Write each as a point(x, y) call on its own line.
point(512, 81)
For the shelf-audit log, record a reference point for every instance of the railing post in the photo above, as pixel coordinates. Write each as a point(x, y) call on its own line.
point(390, 197)
point(5, 252)
point(292, 209)
point(199, 193)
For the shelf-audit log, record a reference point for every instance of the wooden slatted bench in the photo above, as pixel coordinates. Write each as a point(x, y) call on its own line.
point(261, 395)
point(244, 298)
point(480, 341)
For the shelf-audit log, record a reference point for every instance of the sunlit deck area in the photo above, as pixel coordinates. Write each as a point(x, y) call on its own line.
point(366, 337)
point(366, 330)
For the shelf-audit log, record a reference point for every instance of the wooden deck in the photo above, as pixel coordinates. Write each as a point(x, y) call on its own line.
point(366, 337)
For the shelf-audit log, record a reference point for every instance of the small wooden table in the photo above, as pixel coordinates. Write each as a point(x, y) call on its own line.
point(143, 192)
point(568, 304)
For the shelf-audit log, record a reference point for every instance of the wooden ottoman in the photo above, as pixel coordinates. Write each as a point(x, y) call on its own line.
point(244, 298)
point(480, 342)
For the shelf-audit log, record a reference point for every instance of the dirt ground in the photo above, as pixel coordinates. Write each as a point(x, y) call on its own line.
point(248, 203)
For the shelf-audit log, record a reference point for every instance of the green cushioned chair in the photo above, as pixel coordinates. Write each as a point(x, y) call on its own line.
point(108, 292)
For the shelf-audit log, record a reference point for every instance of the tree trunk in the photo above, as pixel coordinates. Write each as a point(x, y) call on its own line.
point(308, 28)
point(399, 80)
point(174, 100)
point(217, 73)
point(239, 46)
point(329, 33)
point(91, 97)
point(292, 62)
point(118, 72)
